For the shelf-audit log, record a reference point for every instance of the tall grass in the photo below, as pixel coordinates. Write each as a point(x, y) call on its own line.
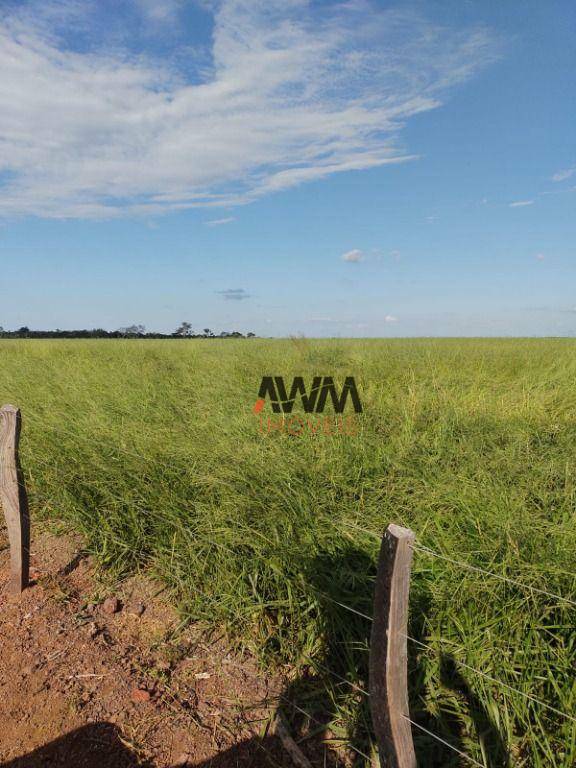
point(151, 449)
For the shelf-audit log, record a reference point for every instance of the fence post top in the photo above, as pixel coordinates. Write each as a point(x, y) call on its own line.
point(400, 533)
point(9, 409)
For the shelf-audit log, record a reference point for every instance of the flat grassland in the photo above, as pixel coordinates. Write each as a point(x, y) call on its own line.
point(152, 451)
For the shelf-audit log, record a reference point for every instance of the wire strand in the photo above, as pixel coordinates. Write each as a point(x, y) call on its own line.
point(529, 696)
point(314, 720)
point(468, 566)
point(307, 714)
point(416, 547)
point(432, 553)
point(343, 605)
point(476, 569)
point(339, 677)
point(322, 725)
point(363, 530)
point(446, 743)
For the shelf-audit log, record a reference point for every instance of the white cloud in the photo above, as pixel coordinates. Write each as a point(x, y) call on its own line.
point(293, 93)
point(521, 203)
point(390, 319)
point(565, 174)
point(540, 257)
point(354, 256)
point(219, 222)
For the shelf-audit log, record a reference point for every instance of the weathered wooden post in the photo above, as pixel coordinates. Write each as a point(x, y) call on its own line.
point(388, 651)
point(13, 498)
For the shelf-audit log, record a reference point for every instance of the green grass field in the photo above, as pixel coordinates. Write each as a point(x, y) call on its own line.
point(152, 451)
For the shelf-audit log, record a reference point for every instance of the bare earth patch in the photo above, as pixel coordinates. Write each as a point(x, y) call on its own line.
point(95, 679)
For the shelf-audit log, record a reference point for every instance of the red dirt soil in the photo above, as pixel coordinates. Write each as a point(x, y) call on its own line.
point(86, 683)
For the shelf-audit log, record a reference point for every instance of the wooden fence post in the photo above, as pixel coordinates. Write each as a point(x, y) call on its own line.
point(388, 651)
point(13, 498)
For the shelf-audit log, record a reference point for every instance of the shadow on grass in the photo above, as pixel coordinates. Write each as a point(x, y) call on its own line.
point(446, 725)
point(344, 581)
point(322, 708)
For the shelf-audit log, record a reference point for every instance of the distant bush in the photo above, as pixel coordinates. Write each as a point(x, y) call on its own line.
point(184, 331)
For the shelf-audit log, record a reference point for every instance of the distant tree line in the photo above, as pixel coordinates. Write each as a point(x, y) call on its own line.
point(184, 331)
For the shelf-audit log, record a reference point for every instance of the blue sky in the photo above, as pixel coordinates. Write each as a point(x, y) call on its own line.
point(289, 167)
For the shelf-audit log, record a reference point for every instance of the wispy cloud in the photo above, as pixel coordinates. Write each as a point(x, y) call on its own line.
point(521, 203)
point(567, 173)
point(234, 294)
point(294, 92)
point(554, 310)
point(390, 319)
point(540, 257)
point(219, 222)
point(354, 256)
point(159, 10)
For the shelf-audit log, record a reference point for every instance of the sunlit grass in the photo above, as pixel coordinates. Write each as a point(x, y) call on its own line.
point(151, 449)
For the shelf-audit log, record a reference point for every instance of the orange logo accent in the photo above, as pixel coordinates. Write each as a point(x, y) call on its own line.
point(259, 405)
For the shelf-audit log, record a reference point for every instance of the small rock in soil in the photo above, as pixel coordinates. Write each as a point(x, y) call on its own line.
point(93, 630)
point(111, 605)
point(139, 696)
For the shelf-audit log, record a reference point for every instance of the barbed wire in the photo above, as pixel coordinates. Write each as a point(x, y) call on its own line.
point(417, 547)
point(442, 741)
point(339, 677)
point(359, 528)
point(293, 704)
point(417, 725)
point(463, 664)
point(477, 569)
point(322, 725)
point(468, 566)
point(343, 605)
